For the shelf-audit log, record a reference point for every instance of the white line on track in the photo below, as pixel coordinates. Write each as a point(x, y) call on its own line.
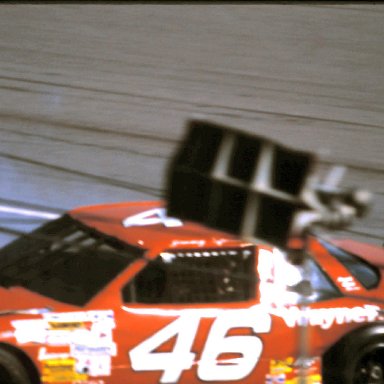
point(28, 212)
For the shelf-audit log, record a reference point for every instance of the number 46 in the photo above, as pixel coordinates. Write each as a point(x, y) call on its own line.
point(184, 328)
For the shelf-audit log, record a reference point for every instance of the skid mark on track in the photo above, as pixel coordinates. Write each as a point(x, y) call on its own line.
point(76, 142)
point(105, 180)
point(92, 129)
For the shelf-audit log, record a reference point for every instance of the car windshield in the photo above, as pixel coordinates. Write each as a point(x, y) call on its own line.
point(65, 261)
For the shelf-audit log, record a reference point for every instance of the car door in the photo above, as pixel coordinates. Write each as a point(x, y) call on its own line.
point(194, 316)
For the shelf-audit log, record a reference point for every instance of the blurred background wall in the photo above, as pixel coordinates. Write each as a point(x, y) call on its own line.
point(94, 98)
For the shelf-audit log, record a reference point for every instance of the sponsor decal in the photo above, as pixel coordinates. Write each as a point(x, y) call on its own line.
point(325, 318)
point(60, 370)
point(179, 243)
point(68, 326)
point(85, 341)
point(348, 283)
point(291, 371)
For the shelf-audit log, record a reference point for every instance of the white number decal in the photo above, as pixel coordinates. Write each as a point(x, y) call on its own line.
point(250, 347)
point(172, 363)
point(210, 368)
point(152, 217)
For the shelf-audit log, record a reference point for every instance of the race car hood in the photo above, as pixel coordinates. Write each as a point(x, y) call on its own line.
point(145, 225)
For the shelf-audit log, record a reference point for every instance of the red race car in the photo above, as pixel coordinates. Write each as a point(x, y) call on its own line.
point(117, 294)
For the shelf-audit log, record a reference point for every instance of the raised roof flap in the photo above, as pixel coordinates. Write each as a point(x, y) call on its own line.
point(237, 182)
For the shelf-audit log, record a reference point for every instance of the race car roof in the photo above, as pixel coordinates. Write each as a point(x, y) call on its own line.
point(145, 225)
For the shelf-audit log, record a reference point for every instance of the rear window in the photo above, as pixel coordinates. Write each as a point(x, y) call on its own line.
point(195, 276)
point(365, 273)
point(65, 261)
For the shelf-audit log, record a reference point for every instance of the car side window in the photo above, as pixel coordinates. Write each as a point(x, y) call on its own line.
point(148, 286)
point(195, 276)
point(368, 275)
point(321, 285)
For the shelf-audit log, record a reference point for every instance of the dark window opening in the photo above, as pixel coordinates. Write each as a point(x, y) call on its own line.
point(322, 286)
point(195, 276)
point(365, 273)
point(64, 260)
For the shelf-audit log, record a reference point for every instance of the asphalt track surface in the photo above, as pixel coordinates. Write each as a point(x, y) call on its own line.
point(94, 98)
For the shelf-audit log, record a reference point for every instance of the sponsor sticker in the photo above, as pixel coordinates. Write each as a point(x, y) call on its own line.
point(85, 341)
point(291, 371)
point(60, 370)
point(325, 318)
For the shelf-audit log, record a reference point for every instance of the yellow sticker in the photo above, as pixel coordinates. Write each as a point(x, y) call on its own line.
point(60, 371)
point(67, 326)
point(311, 379)
point(281, 366)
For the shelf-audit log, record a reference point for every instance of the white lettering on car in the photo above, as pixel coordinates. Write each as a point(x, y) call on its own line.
point(152, 217)
point(348, 283)
point(209, 368)
point(325, 318)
